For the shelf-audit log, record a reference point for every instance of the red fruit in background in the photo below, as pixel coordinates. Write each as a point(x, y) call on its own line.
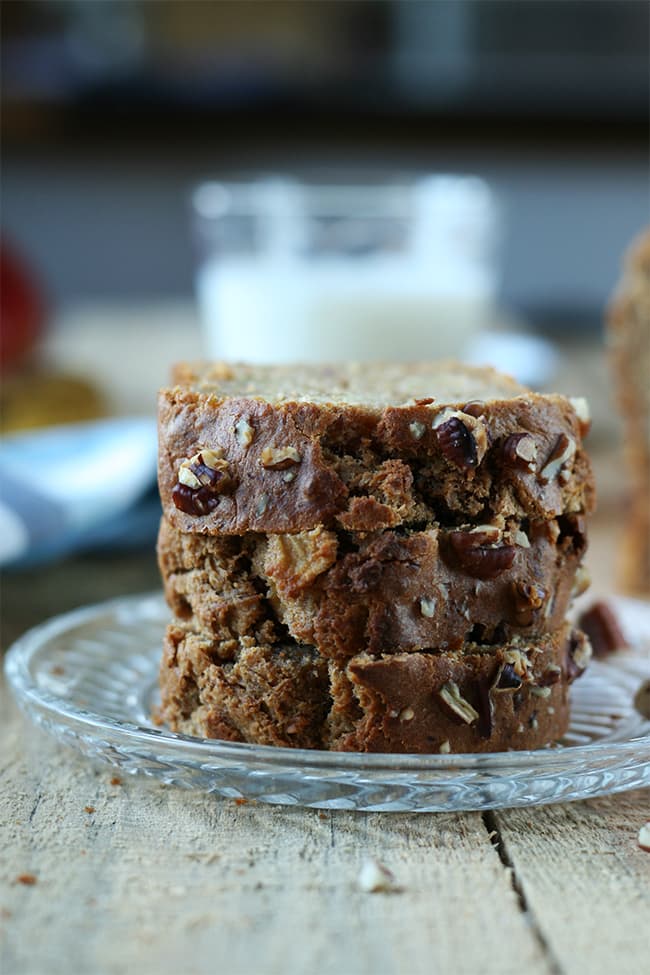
point(22, 309)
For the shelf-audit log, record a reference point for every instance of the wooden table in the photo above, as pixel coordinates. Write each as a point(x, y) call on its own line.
point(104, 876)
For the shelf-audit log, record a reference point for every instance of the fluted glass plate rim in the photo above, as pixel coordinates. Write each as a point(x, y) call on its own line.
point(54, 711)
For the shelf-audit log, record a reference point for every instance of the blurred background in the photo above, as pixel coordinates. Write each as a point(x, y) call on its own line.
point(130, 131)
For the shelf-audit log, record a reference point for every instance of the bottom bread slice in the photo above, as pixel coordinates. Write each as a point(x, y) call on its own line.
point(269, 695)
point(477, 699)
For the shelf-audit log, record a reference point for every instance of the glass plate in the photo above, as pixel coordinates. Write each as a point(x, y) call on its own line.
point(90, 679)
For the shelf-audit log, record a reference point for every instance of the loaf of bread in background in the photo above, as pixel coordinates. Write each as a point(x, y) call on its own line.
point(629, 342)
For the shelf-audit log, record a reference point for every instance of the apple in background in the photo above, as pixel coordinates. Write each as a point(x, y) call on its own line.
point(22, 310)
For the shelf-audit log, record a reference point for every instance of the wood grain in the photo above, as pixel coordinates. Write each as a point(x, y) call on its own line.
point(136, 877)
point(585, 880)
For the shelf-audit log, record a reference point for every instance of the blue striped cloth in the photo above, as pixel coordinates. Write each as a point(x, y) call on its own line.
point(74, 486)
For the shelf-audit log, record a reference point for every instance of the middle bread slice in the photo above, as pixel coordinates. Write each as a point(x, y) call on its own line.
point(376, 593)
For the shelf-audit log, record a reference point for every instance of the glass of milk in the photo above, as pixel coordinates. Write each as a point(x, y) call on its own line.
point(306, 272)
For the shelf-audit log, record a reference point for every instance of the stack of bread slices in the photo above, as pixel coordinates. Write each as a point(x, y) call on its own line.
point(371, 557)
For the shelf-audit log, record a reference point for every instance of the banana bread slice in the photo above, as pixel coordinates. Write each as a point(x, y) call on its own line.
point(269, 695)
point(384, 592)
point(475, 699)
point(365, 448)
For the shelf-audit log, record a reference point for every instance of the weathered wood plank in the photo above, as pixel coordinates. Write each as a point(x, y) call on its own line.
point(585, 880)
point(159, 880)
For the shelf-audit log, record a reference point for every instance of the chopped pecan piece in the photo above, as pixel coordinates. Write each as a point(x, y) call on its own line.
point(507, 679)
point(279, 458)
point(455, 704)
point(644, 837)
point(467, 551)
point(602, 627)
point(462, 438)
point(202, 479)
point(551, 676)
point(475, 407)
point(529, 597)
point(457, 444)
point(244, 432)
point(560, 455)
point(520, 450)
point(581, 582)
point(642, 699)
point(578, 655)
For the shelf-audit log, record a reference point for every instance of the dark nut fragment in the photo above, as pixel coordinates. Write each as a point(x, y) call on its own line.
point(561, 454)
point(279, 458)
point(455, 704)
point(520, 662)
point(507, 679)
point(573, 534)
point(478, 560)
point(205, 469)
point(528, 598)
point(194, 502)
point(475, 407)
point(601, 626)
point(201, 480)
point(365, 576)
point(578, 655)
point(485, 708)
point(642, 699)
point(520, 451)
point(551, 676)
point(457, 444)
point(208, 475)
point(488, 534)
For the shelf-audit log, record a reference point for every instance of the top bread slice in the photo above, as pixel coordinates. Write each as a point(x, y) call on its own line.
point(365, 447)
